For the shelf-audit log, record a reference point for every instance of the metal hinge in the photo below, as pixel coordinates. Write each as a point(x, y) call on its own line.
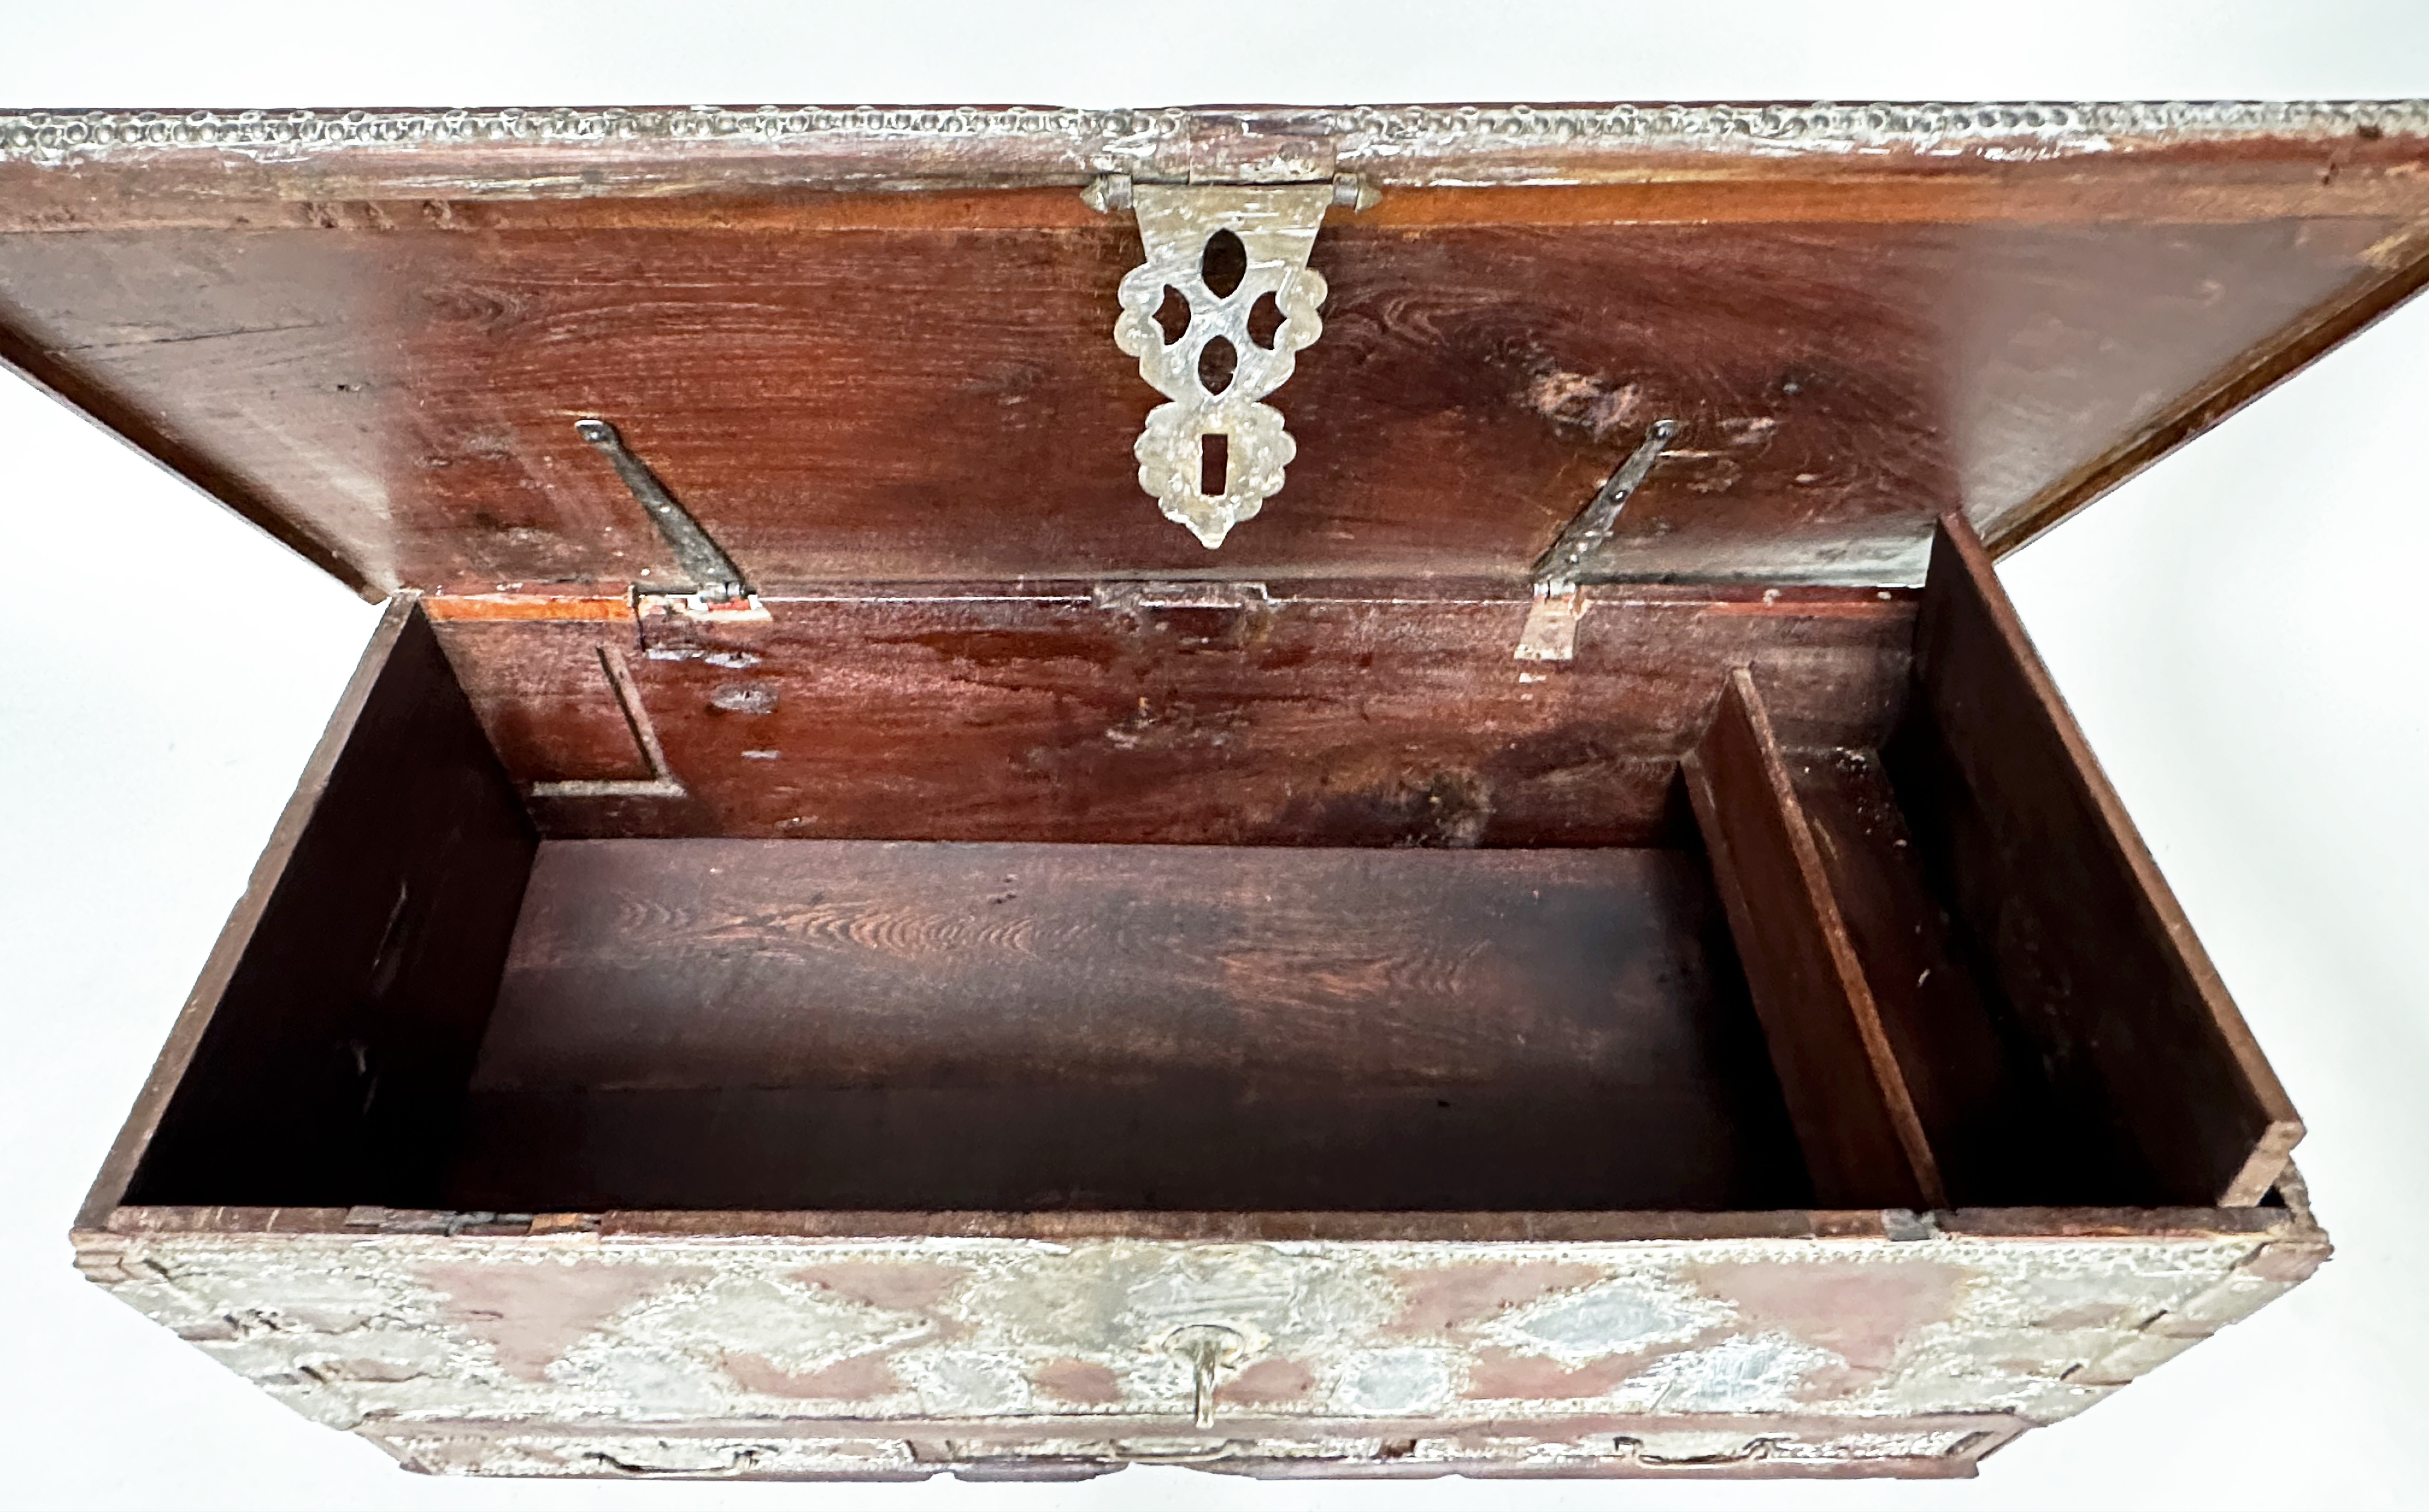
point(1551, 630)
point(718, 586)
point(1227, 243)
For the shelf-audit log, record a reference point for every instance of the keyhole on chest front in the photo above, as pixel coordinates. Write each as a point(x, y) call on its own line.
point(1215, 465)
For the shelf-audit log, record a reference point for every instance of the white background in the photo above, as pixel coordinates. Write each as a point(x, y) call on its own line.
point(2240, 631)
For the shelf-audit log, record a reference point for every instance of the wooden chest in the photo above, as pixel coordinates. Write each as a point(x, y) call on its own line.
point(1304, 792)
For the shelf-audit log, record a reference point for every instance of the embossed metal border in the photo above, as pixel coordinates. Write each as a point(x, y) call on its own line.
point(1396, 144)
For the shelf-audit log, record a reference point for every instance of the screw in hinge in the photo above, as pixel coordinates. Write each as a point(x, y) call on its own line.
point(1207, 1347)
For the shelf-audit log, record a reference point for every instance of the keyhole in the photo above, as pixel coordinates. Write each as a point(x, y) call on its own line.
point(1217, 362)
point(1225, 264)
point(1214, 463)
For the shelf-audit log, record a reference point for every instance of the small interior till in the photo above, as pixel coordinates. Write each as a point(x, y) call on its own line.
point(1093, 905)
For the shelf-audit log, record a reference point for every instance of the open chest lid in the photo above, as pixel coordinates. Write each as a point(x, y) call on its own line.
point(881, 345)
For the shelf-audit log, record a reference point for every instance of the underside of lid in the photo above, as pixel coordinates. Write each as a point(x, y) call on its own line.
point(878, 346)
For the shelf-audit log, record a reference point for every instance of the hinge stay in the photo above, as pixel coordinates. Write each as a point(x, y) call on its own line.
point(1565, 559)
point(1550, 633)
point(716, 580)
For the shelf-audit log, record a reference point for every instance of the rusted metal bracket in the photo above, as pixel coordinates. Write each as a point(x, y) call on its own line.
point(1551, 631)
point(716, 582)
point(1233, 254)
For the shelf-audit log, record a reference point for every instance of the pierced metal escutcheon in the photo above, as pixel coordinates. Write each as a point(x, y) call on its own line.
point(1236, 255)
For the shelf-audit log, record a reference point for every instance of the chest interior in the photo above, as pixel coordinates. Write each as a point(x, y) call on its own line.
point(1313, 899)
point(801, 768)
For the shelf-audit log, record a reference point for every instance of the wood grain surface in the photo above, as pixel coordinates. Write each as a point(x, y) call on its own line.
point(1380, 714)
point(833, 1024)
point(67, 170)
point(901, 396)
point(1970, 1069)
point(1845, 1091)
point(322, 1058)
point(2138, 1033)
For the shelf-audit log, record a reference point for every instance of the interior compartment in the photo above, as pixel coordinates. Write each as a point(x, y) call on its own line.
point(1212, 900)
point(864, 1024)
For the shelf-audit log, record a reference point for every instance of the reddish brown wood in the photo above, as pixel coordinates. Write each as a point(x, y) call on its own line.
point(713, 1023)
point(2071, 912)
point(943, 401)
point(1348, 714)
point(323, 1055)
point(2268, 364)
point(1972, 1073)
point(1855, 1117)
point(139, 428)
point(1773, 194)
point(876, 362)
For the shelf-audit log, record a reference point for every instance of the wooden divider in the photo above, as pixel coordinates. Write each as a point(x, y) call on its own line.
point(1968, 967)
point(1865, 1145)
